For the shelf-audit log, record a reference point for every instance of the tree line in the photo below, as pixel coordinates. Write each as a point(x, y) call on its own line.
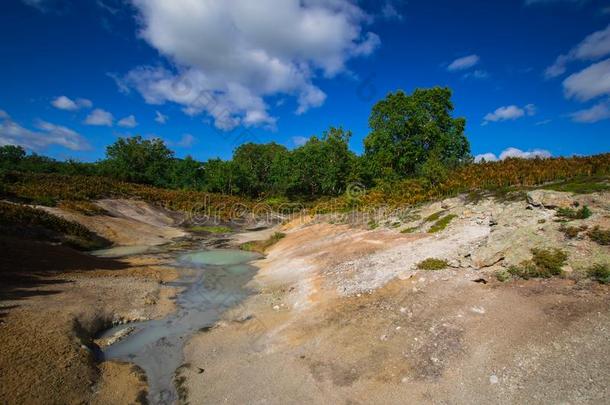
point(411, 136)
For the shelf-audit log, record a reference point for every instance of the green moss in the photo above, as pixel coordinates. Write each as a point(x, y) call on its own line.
point(261, 246)
point(434, 217)
point(601, 236)
point(502, 275)
point(433, 264)
point(442, 223)
point(210, 229)
point(600, 272)
point(544, 263)
point(409, 230)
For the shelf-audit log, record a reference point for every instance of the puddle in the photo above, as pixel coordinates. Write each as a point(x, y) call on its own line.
point(214, 281)
point(122, 251)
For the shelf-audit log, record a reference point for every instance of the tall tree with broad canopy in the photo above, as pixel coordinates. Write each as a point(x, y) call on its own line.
point(408, 130)
point(255, 166)
point(139, 160)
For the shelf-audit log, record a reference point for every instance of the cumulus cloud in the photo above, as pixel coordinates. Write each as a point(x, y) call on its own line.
point(299, 140)
point(594, 46)
point(230, 55)
point(128, 122)
point(508, 113)
point(12, 133)
point(598, 112)
point(99, 117)
point(589, 83)
point(513, 153)
point(161, 118)
point(66, 103)
point(463, 63)
point(186, 141)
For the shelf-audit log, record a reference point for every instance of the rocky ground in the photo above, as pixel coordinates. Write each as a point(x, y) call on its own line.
point(342, 313)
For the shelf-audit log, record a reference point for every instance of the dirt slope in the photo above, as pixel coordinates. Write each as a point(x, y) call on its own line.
point(345, 317)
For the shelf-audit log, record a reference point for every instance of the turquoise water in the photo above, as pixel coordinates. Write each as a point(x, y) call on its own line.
point(213, 281)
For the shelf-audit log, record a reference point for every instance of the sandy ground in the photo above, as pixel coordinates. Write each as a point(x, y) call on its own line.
point(341, 314)
point(344, 317)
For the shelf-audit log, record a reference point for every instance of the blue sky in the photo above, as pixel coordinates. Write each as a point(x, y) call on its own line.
point(205, 76)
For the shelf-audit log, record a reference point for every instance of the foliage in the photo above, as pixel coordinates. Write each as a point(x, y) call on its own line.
point(23, 221)
point(544, 263)
point(601, 236)
point(600, 272)
point(432, 264)
point(581, 185)
point(82, 207)
point(259, 168)
point(408, 130)
point(502, 275)
point(409, 230)
point(434, 217)
point(570, 213)
point(138, 160)
point(262, 246)
point(442, 223)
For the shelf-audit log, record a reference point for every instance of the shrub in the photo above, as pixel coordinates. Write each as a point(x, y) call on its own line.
point(572, 231)
point(544, 263)
point(570, 213)
point(433, 264)
point(601, 236)
point(442, 223)
point(600, 272)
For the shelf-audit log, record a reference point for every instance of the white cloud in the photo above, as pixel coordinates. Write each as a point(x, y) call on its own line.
point(11, 133)
point(511, 112)
point(299, 140)
point(128, 122)
point(187, 141)
point(230, 55)
point(594, 81)
point(598, 112)
point(389, 12)
point(594, 46)
point(66, 103)
point(514, 153)
point(477, 74)
point(161, 118)
point(463, 63)
point(99, 117)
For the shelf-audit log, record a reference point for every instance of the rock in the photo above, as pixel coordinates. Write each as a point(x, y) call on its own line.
point(549, 199)
point(478, 310)
point(493, 379)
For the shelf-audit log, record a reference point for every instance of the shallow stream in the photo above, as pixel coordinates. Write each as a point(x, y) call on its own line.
point(213, 281)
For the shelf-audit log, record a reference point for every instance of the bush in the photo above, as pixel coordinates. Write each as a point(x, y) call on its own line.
point(502, 275)
point(601, 236)
point(570, 213)
point(544, 263)
point(442, 223)
point(572, 232)
point(600, 272)
point(433, 264)
point(210, 229)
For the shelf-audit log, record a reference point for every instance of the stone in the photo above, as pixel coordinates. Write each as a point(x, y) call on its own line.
point(549, 199)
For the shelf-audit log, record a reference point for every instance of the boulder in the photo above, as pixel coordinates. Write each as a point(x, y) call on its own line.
point(549, 199)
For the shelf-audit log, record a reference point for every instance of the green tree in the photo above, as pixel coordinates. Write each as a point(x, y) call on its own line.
point(186, 173)
point(138, 160)
point(322, 166)
point(11, 156)
point(254, 165)
point(219, 176)
point(406, 130)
